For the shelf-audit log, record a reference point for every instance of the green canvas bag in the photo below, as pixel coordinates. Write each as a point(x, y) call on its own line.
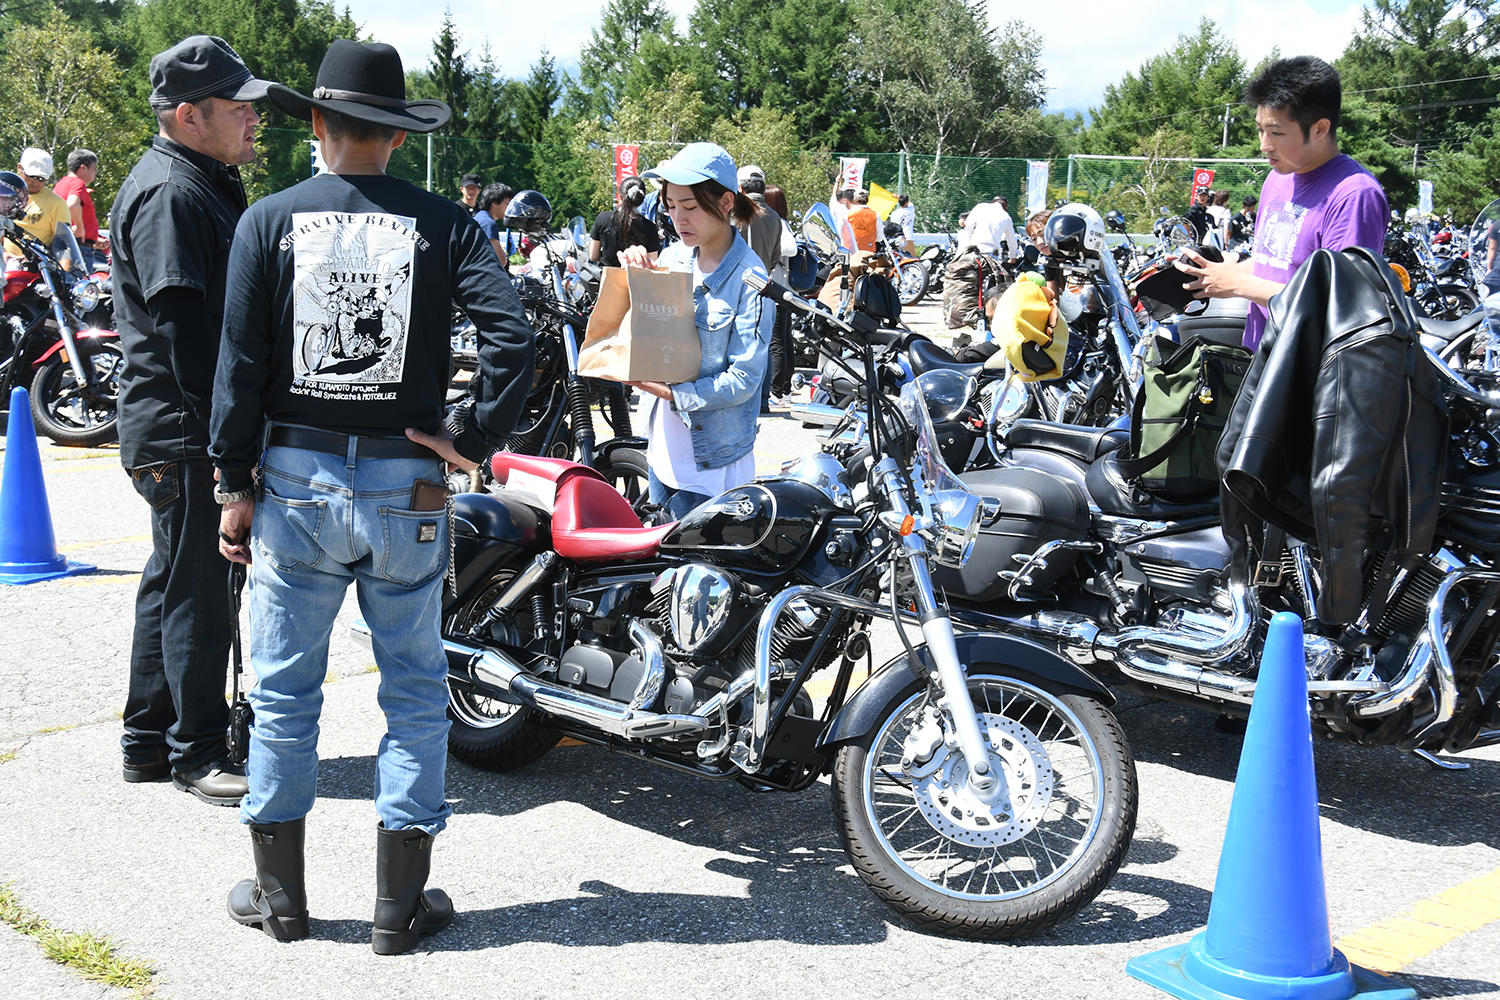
point(1179, 416)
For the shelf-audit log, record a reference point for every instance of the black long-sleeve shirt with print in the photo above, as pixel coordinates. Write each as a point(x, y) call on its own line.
point(339, 314)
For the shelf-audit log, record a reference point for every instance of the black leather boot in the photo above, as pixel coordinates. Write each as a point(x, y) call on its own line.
point(276, 899)
point(405, 913)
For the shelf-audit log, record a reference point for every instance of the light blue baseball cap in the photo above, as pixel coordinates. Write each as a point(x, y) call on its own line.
point(697, 161)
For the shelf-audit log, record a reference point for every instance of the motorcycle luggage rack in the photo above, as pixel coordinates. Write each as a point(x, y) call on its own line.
point(1020, 579)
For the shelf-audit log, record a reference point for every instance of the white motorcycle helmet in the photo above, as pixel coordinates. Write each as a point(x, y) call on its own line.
point(1075, 231)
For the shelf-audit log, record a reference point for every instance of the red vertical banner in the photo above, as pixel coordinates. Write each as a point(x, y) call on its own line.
point(1203, 179)
point(627, 164)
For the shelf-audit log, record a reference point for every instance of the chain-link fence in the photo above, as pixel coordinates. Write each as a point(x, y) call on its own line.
point(943, 187)
point(1146, 189)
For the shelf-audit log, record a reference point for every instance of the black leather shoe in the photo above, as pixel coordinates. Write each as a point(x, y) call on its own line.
point(217, 784)
point(138, 772)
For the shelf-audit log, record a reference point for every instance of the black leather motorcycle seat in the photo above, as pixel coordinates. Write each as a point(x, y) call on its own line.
point(1114, 494)
point(1083, 443)
point(925, 356)
point(1449, 330)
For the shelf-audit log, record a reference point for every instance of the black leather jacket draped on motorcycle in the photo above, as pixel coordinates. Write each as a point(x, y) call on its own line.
point(1338, 433)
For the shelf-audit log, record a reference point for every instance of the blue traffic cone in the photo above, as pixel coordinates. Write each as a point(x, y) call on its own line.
point(28, 549)
point(1268, 933)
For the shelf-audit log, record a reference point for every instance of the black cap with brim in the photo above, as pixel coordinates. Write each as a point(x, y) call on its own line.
point(363, 81)
point(200, 67)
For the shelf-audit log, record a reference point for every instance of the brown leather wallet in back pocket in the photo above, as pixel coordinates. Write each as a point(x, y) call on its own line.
point(428, 495)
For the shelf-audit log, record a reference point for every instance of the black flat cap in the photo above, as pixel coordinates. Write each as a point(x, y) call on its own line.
point(198, 67)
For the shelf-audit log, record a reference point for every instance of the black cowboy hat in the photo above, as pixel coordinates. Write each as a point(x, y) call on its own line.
point(363, 80)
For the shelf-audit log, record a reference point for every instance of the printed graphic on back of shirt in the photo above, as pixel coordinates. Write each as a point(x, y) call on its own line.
point(1277, 233)
point(351, 303)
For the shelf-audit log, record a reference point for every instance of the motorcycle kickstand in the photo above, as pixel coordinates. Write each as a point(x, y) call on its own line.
point(1439, 763)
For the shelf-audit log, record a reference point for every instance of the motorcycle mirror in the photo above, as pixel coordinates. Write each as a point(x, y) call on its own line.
point(580, 232)
point(819, 230)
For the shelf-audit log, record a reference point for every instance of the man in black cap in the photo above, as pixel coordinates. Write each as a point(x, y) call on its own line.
point(335, 355)
point(469, 187)
point(171, 226)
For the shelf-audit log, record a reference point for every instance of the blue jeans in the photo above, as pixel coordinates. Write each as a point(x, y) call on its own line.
point(322, 521)
point(677, 502)
point(175, 709)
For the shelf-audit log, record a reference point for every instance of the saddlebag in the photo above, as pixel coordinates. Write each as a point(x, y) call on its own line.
point(1035, 507)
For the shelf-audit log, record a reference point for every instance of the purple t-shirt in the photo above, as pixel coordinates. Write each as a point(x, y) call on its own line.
point(1336, 206)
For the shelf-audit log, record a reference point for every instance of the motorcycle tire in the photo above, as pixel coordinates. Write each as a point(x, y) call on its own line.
point(487, 733)
point(63, 412)
point(1090, 794)
point(1449, 302)
point(912, 282)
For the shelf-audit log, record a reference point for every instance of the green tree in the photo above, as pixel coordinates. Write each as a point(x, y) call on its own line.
point(538, 97)
point(1185, 89)
point(281, 40)
point(60, 92)
point(449, 74)
point(768, 138)
point(795, 56)
point(1425, 66)
point(1466, 178)
point(635, 46)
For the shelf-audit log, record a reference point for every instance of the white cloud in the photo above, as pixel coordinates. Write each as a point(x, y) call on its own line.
point(1090, 43)
point(1081, 62)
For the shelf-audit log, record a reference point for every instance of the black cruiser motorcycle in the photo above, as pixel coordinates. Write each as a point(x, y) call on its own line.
point(981, 786)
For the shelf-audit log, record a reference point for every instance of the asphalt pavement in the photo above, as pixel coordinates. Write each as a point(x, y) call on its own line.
point(594, 874)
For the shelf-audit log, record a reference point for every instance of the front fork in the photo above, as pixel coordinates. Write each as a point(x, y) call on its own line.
point(65, 331)
point(954, 702)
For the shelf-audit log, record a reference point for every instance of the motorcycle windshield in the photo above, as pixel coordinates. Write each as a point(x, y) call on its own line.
point(927, 457)
point(65, 248)
point(1484, 240)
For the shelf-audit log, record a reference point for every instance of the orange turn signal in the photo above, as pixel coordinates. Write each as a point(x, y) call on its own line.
point(908, 525)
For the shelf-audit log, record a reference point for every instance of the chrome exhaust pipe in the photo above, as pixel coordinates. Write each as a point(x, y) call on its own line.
point(494, 673)
point(1196, 640)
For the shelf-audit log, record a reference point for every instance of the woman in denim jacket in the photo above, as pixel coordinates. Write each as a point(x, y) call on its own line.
point(702, 433)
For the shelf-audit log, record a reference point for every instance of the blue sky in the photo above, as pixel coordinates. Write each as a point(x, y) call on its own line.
point(1090, 44)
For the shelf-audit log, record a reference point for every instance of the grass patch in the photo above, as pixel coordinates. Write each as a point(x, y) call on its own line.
point(91, 955)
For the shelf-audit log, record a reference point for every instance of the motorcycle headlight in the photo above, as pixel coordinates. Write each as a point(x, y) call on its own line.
point(958, 516)
point(86, 295)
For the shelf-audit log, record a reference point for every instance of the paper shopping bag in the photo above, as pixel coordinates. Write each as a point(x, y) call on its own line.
point(642, 328)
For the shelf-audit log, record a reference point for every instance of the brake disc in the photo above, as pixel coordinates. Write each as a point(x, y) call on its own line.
point(1015, 807)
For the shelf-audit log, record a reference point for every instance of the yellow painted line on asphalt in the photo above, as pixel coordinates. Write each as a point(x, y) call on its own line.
point(101, 543)
point(1427, 925)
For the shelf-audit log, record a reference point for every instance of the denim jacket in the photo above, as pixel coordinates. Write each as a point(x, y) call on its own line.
point(734, 331)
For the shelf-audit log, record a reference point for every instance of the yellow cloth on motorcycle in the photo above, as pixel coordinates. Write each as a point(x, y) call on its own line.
point(642, 328)
point(1032, 335)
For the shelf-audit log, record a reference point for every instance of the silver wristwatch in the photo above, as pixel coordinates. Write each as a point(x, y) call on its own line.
point(235, 496)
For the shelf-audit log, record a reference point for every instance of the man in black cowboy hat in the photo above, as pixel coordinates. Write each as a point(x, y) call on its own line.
point(171, 226)
point(328, 430)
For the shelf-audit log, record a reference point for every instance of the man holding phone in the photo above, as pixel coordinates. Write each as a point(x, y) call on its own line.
point(329, 437)
point(1314, 198)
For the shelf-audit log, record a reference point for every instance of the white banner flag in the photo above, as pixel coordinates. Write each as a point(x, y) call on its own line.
point(851, 173)
point(1036, 186)
point(1424, 197)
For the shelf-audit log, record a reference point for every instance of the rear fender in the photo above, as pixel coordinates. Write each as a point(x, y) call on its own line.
point(491, 532)
point(981, 653)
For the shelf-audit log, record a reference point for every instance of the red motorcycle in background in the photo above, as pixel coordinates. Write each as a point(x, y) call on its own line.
point(55, 339)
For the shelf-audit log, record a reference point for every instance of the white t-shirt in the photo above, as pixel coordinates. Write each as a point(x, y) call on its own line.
point(670, 454)
point(905, 216)
point(990, 229)
point(841, 224)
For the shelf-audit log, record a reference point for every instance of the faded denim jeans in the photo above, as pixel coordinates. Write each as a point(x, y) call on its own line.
point(323, 521)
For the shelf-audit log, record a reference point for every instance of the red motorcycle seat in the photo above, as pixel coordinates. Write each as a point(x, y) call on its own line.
point(586, 544)
point(590, 519)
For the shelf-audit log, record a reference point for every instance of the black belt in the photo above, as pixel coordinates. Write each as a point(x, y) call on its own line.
point(335, 443)
point(90, 243)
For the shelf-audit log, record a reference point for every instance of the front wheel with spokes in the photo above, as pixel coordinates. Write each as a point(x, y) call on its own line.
point(996, 865)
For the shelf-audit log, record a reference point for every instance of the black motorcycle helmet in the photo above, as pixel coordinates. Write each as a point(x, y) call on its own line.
point(893, 230)
point(1114, 220)
point(528, 212)
point(13, 195)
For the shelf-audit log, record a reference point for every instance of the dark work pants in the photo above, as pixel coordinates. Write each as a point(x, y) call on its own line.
point(779, 367)
point(180, 653)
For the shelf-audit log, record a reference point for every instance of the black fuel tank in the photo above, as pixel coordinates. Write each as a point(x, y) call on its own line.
point(765, 527)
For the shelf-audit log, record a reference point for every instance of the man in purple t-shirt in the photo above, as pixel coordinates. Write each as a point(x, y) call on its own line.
point(1315, 197)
